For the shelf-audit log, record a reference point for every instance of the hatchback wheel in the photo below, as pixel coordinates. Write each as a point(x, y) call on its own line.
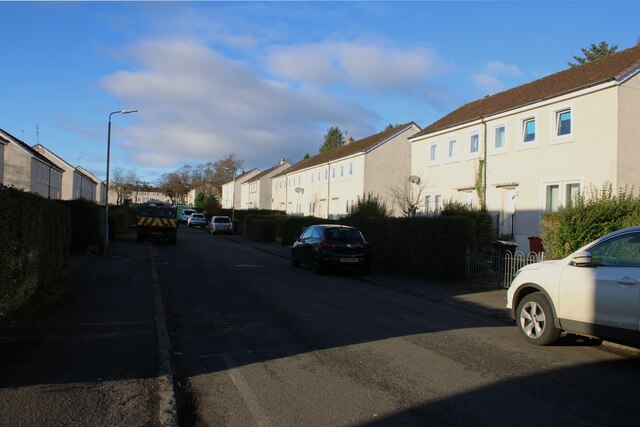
point(316, 264)
point(536, 320)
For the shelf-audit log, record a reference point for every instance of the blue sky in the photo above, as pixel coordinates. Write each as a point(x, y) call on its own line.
point(265, 80)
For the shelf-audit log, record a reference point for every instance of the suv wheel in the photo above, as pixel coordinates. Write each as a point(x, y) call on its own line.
point(536, 320)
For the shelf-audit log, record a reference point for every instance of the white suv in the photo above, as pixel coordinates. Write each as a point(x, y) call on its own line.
point(593, 292)
point(220, 224)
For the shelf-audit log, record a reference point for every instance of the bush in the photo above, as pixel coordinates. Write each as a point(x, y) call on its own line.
point(34, 248)
point(369, 207)
point(591, 216)
point(120, 220)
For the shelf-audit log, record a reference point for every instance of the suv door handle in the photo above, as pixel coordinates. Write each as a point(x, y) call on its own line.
point(627, 281)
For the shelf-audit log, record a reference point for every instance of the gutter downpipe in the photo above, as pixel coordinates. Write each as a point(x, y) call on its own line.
point(328, 187)
point(484, 155)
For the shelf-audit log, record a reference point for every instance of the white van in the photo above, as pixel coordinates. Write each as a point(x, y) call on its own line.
point(186, 214)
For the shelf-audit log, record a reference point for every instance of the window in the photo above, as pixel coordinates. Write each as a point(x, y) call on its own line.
point(326, 174)
point(571, 192)
point(341, 170)
point(499, 141)
point(474, 144)
point(529, 130)
point(620, 251)
point(333, 172)
point(552, 198)
point(437, 203)
point(563, 123)
point(433, 153)
point(427, 204)
point(350, 168)
point(313, 177)
point(452, 152)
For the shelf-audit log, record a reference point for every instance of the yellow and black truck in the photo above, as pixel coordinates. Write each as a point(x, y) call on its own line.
point(156, 221)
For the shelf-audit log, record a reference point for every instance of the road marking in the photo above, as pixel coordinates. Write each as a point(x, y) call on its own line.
point(247, 395)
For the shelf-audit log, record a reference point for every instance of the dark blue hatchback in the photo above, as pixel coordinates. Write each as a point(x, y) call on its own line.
point(322, 246)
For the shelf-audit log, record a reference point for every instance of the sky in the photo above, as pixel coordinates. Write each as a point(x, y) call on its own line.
point(266, 80)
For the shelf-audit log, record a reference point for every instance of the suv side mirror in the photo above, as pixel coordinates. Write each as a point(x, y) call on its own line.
point(581, 259)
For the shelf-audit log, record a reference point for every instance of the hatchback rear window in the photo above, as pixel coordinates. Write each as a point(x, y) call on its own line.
point(221, 220)
point(345, 234)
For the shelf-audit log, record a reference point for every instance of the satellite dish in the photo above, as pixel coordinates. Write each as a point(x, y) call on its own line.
point(299, 190)
point(414, 179)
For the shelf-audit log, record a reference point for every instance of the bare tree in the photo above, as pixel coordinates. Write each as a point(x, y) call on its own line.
point(407, 195)
point(176, 185)
point(124, 182)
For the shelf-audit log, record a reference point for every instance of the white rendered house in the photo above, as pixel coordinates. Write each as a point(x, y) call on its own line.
point(329, 184)
point(232, 195)
point(534, 147)
point(259, 188)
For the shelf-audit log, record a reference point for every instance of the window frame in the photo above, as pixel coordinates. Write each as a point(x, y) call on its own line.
point(452, 157)
point(555, 123)
point(494, 129)
point(473, 154)
point(432, 148)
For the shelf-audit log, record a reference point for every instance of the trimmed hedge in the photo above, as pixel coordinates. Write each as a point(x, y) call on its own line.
point(432, 247)
point(120, 220)
point(35, 236)
point(85, 220)
point(263, 230)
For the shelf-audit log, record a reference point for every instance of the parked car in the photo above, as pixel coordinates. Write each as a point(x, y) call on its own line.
point(321, 246)
point(220, 224)
point(186, 214)
point(593, 292)
point(197, 220)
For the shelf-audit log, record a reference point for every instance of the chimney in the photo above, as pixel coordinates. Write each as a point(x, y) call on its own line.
point(283, 161)
point(349, 140)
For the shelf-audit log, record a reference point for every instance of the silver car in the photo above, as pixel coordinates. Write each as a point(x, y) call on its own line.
point(197, 220)
point(593, 292)
point(220, 224)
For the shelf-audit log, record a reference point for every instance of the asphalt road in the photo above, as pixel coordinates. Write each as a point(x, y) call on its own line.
point(259, 342)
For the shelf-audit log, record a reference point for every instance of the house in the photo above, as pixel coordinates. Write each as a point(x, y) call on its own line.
point(327, 185)
point(76, 184)
point(259, 188)
point(24, 168)
point(101, 186)
point(3, 143)
point(532, 148)
point(232, 195)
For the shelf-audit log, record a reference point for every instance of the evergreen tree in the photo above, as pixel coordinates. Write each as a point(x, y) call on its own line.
point(334, 138)
point(594, 52)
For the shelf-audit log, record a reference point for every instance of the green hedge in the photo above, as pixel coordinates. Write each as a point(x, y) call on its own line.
point(263, 230)
point(433, 247)
point(85, 224)
point(591, 216)
point(35, 236)
point(121, 218)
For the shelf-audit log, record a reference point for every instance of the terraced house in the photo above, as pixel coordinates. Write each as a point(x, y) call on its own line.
point(259, 188)
point(327, 185)
point(532, 148)
point(24, 168)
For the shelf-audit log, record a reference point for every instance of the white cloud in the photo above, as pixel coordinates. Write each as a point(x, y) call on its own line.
point(489, 81)
point(197, 105)
point(366, 66)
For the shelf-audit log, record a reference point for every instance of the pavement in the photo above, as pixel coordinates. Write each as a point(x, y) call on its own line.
point(102, 356)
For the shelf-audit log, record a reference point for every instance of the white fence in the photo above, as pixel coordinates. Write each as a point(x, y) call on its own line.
point(495, 266)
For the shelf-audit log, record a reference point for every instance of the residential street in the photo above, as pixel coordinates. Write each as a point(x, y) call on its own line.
point(255, 341)
point(259, 342)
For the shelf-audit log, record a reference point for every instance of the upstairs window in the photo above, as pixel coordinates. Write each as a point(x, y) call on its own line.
point(529, 130)
point(563, 123)
point(499, 138)
point(452, 152)
point(474, 144)
point(433, 153)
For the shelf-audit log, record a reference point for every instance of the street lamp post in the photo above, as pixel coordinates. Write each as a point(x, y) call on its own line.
point(105, 239)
